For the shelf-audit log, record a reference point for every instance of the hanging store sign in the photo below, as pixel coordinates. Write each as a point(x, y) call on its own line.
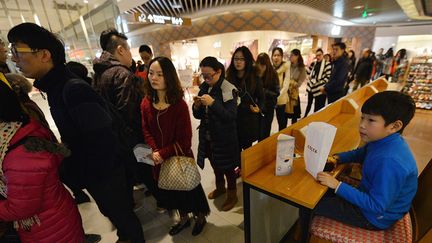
point(161, 19)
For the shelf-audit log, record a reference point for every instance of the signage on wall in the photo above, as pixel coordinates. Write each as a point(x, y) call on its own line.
point(161, 19)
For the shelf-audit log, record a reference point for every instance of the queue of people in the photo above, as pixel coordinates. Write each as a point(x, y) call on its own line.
point(102, 119)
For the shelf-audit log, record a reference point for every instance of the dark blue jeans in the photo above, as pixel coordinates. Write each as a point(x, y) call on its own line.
point(336, 208)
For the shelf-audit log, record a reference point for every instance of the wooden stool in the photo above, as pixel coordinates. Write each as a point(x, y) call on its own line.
point(334, 231)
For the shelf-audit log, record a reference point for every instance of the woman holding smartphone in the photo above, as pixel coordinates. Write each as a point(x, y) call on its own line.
point(216, 107)
point(241, 73)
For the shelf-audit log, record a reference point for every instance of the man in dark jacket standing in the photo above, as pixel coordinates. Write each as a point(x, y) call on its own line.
point(84, 124)
point(119, 86)
point(363, 70)
point(335, 86)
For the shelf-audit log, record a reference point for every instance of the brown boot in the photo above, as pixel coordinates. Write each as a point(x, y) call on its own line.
point(231, 200)
point(220, 190)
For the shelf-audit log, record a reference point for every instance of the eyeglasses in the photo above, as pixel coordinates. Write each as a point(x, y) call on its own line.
point(239, 59)
point(207, 76)
point(15, 51)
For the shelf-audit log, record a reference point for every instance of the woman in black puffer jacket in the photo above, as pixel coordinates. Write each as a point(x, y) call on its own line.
point(216, 107)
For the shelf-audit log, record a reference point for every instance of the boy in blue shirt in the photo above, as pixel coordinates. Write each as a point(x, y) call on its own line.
point(389, 171)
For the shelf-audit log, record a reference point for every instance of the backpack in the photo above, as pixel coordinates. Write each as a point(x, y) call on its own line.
point(122, 131)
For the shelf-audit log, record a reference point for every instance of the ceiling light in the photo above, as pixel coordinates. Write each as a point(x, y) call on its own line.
point(370, 14)
point(336, 30)
point(36, 18)
point(176, 5)
point(358, 7)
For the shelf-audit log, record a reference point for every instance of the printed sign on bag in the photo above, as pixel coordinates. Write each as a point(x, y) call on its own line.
point(319, 140)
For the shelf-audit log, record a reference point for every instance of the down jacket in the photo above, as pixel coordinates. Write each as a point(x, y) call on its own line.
point(219, 122)
point(34, 188)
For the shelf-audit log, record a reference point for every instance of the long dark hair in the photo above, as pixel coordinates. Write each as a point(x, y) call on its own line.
point(300, 62)
point(402, 54)
point(353, 57)
point(249, 77)
point(389, 53)
point(10, 106)
point(270, 77)
point(174, 91)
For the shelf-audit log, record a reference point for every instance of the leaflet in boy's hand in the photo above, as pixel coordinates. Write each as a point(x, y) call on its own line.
point(143, 154)
point(319, 140)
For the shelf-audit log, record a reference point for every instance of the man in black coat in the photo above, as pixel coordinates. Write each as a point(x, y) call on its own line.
point(363, 70)
point(118, 85)
point(335, 86)
point(84, 124)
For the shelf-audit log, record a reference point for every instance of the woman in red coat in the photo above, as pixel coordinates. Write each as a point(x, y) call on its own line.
point(166, 121)
point(33, 196)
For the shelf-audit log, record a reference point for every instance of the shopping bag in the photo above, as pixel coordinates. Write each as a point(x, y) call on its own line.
point(319, 140)
point(179, 172)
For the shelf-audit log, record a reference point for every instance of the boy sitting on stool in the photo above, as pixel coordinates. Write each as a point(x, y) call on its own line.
point(389, 171)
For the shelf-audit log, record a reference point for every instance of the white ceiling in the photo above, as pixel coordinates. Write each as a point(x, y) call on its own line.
point(13, 12)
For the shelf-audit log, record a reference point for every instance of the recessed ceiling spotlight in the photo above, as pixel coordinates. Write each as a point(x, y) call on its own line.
point(176, 5)
point(358, 7)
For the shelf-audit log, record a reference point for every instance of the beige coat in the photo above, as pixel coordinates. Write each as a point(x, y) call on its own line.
point(284, 81)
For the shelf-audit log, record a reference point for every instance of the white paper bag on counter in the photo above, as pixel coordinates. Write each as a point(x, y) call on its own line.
point(285, 154)
point(319, 140)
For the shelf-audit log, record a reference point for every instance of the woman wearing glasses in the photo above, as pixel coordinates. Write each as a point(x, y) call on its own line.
point(241, 73)
point(216, 107)
point(166, 122)
point(283, 70)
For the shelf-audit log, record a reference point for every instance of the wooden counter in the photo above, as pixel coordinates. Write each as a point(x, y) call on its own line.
point(299, 188)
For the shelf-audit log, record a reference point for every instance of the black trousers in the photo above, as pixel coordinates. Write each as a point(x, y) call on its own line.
point(111, 194)
point(69, 173)
point(332, 97)
point(319, 102)
point(145, 175)
point(282, 117)
point(266, 124)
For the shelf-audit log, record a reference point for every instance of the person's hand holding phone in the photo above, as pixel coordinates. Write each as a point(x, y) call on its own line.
point(197, 101)
point(207, 100)
point(254, 108)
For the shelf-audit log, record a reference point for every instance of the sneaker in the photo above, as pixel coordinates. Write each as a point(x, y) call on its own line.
point(139, 187)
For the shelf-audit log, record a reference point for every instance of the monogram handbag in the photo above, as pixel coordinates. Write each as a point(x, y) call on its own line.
point(179, 172)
